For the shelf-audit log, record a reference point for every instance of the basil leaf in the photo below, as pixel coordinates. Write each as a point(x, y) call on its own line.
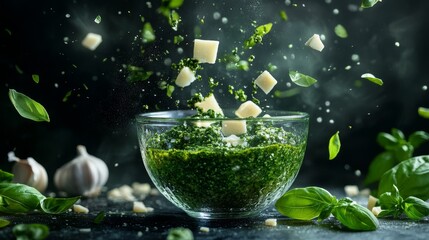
point(27, 107)
point(174, 3)
point(33, 231)
point(4, 222)
point(382, 163)
point(18, 198)
point(57, 205)
point(301, 79)
point(5, 177)
point(418, 138)
point(174, 19)
point(398, 134)
point(136, 74)
point(283, 15)
point(355, 216)
point(387, 140)
point(305, 203)
point(391, 201)
point(423, 112)
point(372, 78)
point(341, 31)
point(403, 151)
point(415, 208)
point(35, 78)
point(410, 176)
point(256, 38)
point(100, 217)
point(148, 34)
point(334, 145)
point(180, 233)
point(368, 3)
point(178, 39)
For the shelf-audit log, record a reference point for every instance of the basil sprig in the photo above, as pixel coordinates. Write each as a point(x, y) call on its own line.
point(315, 202)
point(20, 198)
point(33, 231)
point(397, 148)
point(394, 205)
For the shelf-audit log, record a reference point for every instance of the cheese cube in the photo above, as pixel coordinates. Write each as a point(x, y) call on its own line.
point(315, 43)
point(272, 222)
point(80, 209)
point(209, 103)
point(205, 51)
point(139, 207)
point(351, 190)
point(248, 109)
point(266, 82)
point(376, 211)
point(205, 229)
point(185, 78)
point(235, 127)
point(92, 40)
point(372, 201)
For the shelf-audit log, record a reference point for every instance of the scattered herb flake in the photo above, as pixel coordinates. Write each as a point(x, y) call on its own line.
point(191, 63)
point(170, 90)
point(35, 78)
point(33, 231)
point(148, 34)
point(86, 87)
point(174, 3)
point(283, 15)
point(287, 93)
point(136, 74)
point(334, 145)
point(341, 31)
point(368, 3)
point(423, 112)
point(372, 78)
point(67, 95)
point(271, 67)
point(27, 107)
point(18, 69)
point(174, 19)
point(180, 233)
point(301, 79)
point(197, 32)
point(256, 38)
point(8, 31)
point(100, 217)
point(74, 65)
point(97, 19)
point(178, 39)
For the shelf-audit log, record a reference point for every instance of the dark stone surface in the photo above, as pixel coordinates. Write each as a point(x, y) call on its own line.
point(121, 223)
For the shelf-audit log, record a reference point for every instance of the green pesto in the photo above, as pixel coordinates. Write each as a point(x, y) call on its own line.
point(204, 172)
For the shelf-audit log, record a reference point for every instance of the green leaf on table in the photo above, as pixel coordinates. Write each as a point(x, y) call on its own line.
point(180, 233)
point(382, 163)
point(4, 222)
point(100, 217)
point(355, 216)
point(341, 31)
point(368, 3)
point(57, 205)
point(18, 198)
point(418, 138)
point(33, 231)
point(334, 145)
point(301, 80)
point(372, 78)
point(410, 176)
point(257, 36)
point(415, 208)
point(423, 112)
point(5, 177)
point(283, 15)
point(35, 78)
point(148, 35)
point(27, 107)
point(305, 203)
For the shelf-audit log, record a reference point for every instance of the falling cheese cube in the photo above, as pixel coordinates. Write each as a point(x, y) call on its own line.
point(209, 103)
point(205, 51)
point(92, 40)
point(372, 201)
point(266, 82)
point(315, 43)
point(248, 109)
point(185, 78)
point(233, 127)
point(351, 190)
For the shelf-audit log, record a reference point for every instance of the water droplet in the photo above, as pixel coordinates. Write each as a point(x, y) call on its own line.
point(290, 45)
point(355, 57)
point(116, 164)
point(224, 20)
point(397, 44)
point(358, 173)
point(328, 110)
point(327, 103)
point(167, 62)
point(319, 119)
point(348, 67)
point(68, 15)
point(322, 37)
point(335, 11)
point(424, 88)
point(180, 50)
point(328, 1)
point(331, 121)
point(216, 16)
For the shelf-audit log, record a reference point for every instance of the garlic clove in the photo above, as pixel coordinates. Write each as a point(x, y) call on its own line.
point(29, 172)
point(85, 175)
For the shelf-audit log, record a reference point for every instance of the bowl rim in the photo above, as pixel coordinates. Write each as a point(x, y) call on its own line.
point(185, 115)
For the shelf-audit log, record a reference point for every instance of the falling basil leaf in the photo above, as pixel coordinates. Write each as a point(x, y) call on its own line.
point(100, 217)
point(36, 78)
point(170, 90)
point(27, 107)
point(33, 231)
point(423, 112)
point(18, 198)
point(283, 15)
point(341, 31)
point(372, 78)
point(136, 74)
point(18, 69)
point(8, 31)
point(4, 222)
point(174, 19)
point(57, 205)
point(66, 97)
point(301, 79)
point(97, 19)
point(148, 34)
point(178, 39)
point(174, 3)
point(256, 38)
point(368, 3)
point(334, 145)
point(287, 93)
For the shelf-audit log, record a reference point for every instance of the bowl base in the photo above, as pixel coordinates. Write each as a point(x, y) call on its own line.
point(222, 215)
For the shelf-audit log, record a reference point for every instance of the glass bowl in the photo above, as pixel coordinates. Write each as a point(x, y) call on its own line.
point(204, 169)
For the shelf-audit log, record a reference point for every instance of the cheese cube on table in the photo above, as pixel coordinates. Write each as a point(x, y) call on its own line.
point(266, 82)
point(376, 211)
point(209, 103)
point(205, 51)
point(233, 127)
point(372, 201)
point(185, 78)
point(272, 222)
point(80, 209)
point(92, 40)
point(351, 190)
point(315, 43)
point(248, 109)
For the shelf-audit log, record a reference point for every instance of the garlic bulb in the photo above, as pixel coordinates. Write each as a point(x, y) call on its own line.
point(85, 175)
point(29, 172)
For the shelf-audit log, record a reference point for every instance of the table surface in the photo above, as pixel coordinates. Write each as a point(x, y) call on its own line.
point(121, 223)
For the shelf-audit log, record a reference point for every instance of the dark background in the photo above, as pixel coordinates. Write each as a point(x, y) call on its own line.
point(45, 39)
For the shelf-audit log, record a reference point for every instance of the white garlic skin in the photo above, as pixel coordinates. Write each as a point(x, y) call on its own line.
point(29, 172)
point(85, 175)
